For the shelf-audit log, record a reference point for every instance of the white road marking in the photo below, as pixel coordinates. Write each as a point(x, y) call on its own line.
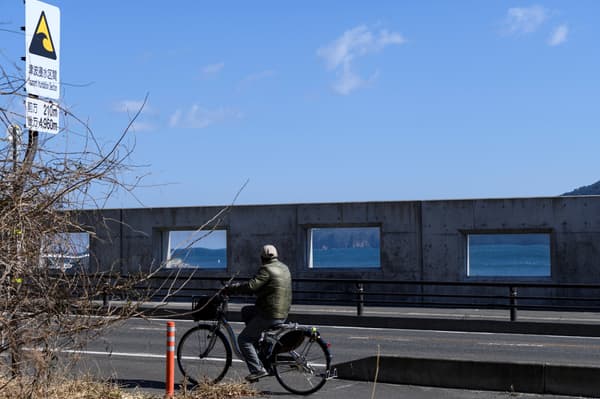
point(124, 354)
point(148, 328)
point(340, 387)
point(154, 356)
point(213, 359)
point(510, 344)
point(140, 355)
point(394, 339)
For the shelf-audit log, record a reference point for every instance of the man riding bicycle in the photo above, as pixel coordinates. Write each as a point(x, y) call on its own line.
point(272, 286)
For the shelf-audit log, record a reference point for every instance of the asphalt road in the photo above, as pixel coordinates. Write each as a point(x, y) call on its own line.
point(133, 353)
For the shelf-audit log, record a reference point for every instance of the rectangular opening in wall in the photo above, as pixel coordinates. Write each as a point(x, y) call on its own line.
point(344, 247)
point(66, 251)
point(205, 249)
point(508, 255)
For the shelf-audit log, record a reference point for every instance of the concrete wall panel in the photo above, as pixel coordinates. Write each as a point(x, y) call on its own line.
point(419, 240)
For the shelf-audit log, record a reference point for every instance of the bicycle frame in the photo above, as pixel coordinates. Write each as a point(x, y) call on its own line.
point(223, 324)
point(232, 338)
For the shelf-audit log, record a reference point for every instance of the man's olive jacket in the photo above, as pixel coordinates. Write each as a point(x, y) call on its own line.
point(272, 286)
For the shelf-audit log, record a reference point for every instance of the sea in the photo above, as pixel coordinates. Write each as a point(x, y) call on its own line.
point(509, 260)
point(200, 257)
point(342, 258)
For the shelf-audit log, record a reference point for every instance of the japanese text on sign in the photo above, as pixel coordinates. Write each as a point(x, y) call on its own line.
point(41, 115)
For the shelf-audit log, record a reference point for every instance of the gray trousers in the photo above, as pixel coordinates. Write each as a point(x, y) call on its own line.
point(248, 338)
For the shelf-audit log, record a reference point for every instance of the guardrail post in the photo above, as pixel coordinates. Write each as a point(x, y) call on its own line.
point(170, 374)
point(360, 299)
point(513, 303)
point(105, 296)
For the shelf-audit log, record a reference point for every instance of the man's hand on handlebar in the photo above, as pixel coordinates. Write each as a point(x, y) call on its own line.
point(230, 288)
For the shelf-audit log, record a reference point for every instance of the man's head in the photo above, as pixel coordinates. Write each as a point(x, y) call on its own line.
point(268, 253)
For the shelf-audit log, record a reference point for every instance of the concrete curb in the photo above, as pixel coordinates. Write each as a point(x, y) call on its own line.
point(477, 375)
point(440, 324)
point(492, 326)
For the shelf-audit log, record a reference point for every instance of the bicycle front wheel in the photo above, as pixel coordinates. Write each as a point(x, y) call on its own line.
point(305, 369)
point(204, 355)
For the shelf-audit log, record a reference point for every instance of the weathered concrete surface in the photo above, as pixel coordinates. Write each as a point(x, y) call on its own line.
point(420, 240)
point(478, 375)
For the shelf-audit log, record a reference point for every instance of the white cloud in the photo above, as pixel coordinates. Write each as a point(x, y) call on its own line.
point(348, 81)
point(340, 54)
point(525, 19)
point(175, 118)
point(130, 106)
point(559, 35)
point(386, 38)
point(143, 127)
point(213, 69)
point(198, 117)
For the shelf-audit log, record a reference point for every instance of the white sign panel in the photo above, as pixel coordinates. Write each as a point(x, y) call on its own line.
point(42, 116)
point(42, 46)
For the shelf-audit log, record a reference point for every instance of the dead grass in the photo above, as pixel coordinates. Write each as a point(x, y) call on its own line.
point(228, 390)
point(87, 388)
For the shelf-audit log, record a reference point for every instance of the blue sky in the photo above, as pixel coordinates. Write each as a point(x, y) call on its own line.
point(342, 101)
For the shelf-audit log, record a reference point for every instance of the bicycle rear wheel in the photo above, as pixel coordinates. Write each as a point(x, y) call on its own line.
point(305, 369)
point(203, 354)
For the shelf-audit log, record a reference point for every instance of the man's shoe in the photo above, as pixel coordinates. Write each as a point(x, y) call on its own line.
point(256, 376)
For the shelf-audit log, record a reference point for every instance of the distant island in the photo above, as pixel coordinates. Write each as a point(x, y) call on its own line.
point(327, 239)
point(592, 189)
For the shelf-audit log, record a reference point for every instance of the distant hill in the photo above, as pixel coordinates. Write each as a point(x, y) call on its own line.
point(592, 189)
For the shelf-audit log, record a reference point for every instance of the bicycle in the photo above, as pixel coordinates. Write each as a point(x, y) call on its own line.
point(296, 355)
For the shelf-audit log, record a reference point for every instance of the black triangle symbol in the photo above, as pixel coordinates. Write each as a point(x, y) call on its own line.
point(41, 43)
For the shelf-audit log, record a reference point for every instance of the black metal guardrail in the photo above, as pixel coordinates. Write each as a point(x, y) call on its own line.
point(511, 296)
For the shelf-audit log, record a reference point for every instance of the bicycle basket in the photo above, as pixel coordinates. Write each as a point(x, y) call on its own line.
point(290, 341)
point(205, 307)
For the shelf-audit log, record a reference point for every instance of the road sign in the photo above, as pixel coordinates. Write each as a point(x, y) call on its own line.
point(42, 44)
point(42, 116)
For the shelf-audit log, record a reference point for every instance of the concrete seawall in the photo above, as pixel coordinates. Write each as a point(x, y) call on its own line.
point(419, 241)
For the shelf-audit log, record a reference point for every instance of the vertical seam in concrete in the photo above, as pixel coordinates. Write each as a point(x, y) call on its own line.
point(121, 240)
point(421, 251)
point(543, 378)
point(298, 268)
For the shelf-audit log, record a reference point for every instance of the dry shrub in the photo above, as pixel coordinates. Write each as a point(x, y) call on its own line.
point(228, 390)
point(89, 388)
point(83, 388)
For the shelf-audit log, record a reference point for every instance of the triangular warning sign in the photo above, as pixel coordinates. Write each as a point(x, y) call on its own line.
point(41, 43)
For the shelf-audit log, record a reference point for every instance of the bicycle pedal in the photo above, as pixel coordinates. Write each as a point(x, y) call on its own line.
point(331, 374)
